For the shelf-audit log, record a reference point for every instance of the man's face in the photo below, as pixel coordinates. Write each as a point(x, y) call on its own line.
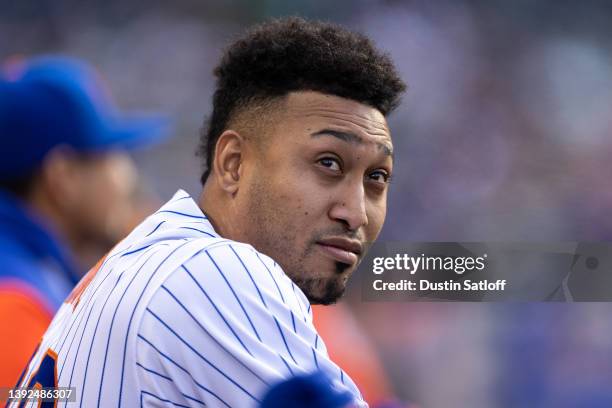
point(316, 191)
point(101, 203)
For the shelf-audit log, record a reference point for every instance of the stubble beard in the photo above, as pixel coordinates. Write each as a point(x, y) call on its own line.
point(280, 245)
point(323, 291)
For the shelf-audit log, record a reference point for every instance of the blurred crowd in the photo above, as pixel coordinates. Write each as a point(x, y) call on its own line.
point(504, 135)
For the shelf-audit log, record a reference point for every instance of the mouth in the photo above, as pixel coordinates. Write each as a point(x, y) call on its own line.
point(342, 250)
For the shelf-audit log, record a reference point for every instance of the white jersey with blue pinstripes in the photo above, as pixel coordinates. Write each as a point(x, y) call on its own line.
point(176, 315)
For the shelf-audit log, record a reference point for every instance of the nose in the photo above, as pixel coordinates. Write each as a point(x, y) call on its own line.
point(350, 207)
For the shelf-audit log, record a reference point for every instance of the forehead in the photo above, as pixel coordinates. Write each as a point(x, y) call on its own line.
point(315, 110)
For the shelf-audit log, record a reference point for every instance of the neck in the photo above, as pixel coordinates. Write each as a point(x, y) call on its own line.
point(215, 206)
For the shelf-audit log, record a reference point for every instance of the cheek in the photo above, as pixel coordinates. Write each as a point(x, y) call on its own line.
point(280, 187)
point(274, 213)
point(307, 205)
point(286, 202)
point(108, 188)
point(98, 201)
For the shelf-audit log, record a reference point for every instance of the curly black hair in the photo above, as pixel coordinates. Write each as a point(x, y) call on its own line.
point(292, 54)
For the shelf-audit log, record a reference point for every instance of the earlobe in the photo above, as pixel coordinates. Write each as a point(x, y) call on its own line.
point(228, 166)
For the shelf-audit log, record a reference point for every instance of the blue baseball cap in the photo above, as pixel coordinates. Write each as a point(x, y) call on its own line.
point(50, 101)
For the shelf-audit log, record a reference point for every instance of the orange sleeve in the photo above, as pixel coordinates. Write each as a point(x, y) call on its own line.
point(23, 321)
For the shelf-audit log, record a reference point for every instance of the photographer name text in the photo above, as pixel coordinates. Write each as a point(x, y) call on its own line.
point(447, 285)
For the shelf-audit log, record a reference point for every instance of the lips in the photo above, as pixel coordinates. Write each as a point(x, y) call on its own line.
point(341, 249)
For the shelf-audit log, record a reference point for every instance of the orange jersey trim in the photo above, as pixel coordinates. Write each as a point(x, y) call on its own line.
point(24, 317)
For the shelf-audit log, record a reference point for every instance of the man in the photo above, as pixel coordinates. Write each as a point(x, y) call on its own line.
point(64, 184)
point(208, 303)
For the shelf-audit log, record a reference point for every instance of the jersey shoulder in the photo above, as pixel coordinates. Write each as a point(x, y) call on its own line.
point(231, 278)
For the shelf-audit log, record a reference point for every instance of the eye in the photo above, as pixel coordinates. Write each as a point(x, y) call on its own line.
point(379, 176)
point(330, 163)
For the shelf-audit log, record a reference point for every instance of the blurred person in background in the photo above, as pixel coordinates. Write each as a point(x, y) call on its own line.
point(67, 190)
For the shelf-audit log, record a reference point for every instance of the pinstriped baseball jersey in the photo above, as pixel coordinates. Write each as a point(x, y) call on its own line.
point(176, 315)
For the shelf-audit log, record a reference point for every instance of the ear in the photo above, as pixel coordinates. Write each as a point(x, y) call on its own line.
point(228, 161)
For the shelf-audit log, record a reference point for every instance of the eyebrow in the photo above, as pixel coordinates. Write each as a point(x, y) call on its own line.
point(351, 138)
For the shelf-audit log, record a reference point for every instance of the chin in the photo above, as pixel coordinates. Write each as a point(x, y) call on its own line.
point(325, 301)
point(325, 287)
point(325, 291)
